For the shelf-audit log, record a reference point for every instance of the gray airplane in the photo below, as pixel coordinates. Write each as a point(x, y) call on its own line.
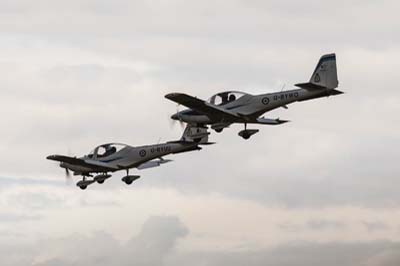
point(226, 108)
point(112, 157)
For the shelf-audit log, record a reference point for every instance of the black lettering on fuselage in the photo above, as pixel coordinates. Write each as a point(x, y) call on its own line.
point(160, 149)
point(285, 96)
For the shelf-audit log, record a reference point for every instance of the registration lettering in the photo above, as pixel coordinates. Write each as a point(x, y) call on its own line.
point(286, 96)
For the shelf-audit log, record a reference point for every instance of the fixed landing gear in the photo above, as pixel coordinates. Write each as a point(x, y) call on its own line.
point(219, 130)
point(247, 133)
point(101, 178)
point(84, 183)
point(128, 179)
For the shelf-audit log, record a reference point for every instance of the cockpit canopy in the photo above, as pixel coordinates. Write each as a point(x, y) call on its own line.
point(106, 150)
point(226, 97)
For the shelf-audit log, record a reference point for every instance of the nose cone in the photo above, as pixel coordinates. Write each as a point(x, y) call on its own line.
point(175, 116)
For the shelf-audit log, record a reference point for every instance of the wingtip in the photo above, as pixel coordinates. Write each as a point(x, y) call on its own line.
point(280, 121)
point(171, 95)
point(50, 157)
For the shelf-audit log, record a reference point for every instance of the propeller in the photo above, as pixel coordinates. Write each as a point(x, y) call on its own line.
point(173, 121)
point(67, 173)
point(68, 177)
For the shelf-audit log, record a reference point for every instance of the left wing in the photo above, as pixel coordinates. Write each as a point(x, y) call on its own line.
point(82, 162)
point(200, 105)
point(153, 163)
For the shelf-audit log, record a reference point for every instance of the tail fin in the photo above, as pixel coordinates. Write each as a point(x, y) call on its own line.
point(196, 134)
point(324, 75)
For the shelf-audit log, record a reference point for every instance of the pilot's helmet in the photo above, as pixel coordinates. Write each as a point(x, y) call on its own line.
point(232, 97)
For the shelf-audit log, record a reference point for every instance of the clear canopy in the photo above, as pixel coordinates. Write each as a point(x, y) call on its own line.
point(106, 150)
point(225, 97)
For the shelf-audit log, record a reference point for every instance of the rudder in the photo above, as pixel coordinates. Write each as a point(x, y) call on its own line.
point(324, 75)
point(196, 134)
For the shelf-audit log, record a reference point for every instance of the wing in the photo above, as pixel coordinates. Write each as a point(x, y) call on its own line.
point(81, 162)
point(268, 121)
point(200, 105)
point(153, 163)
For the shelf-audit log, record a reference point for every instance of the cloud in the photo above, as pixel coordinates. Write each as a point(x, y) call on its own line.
point(351, 254)
point(75, 74)
point(157, 244)
point(151, 246)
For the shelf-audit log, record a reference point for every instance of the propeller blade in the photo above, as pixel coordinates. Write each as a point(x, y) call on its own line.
point(67, 173)
point(173, 121)
point(182, 124)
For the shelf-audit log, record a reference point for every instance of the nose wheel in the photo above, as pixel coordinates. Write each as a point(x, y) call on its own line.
point(84, 183)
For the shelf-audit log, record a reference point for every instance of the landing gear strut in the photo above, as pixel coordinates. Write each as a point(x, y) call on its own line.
point(84, 183)
point(247, 133)
point(128, 179)
point(101, 178)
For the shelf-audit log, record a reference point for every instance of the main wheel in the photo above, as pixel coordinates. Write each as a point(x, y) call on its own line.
point(128, 182)
point(83, 187)
point(219, 130)
point(246, 136)
point(100, 181)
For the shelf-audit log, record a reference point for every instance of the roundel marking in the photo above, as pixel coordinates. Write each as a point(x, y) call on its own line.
point(265, 100)
point(142, 153)
point(317, 78)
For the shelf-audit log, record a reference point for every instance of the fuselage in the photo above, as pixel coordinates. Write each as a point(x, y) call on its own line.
point(249, 107)
point(130, 157)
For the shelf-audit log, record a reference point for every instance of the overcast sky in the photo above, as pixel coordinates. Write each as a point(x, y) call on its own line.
point(320, 190)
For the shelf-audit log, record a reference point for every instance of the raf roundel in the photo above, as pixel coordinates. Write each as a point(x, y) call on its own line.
point(265, 100)
point(317, 78)
point(142, 153)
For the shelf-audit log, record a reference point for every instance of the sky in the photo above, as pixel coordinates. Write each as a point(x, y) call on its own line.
point(320, 190)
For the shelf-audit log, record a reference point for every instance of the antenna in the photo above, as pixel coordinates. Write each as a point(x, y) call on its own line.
point(284, 85)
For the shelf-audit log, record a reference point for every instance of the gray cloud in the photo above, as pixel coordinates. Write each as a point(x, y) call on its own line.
point(75, 74)
point(156, 243)
point(151, 246)
point(16, 217)
point(355, 254)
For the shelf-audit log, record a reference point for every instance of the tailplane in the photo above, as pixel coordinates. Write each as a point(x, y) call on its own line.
point(197, 134)
point(324, 75)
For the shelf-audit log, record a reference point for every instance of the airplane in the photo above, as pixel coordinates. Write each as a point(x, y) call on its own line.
point(229, 107)
point(112, 157)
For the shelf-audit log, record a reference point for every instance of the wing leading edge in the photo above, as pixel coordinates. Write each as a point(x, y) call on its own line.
point(81, 162)
point(200, 105)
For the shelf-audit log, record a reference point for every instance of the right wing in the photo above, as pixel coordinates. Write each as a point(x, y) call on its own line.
point(200, 105)
point(153, 163)
point(268, 121)
point(81, 162)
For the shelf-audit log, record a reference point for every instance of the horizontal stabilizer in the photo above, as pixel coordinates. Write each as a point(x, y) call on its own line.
point(309, 86)
point(335, 92)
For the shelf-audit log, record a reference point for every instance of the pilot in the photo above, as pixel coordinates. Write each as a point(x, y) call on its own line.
point(232, 97)
point(110, 150)
point(224, 98)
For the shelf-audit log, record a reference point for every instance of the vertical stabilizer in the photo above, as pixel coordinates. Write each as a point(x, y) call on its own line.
point(324, 75)
point(195, 134)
